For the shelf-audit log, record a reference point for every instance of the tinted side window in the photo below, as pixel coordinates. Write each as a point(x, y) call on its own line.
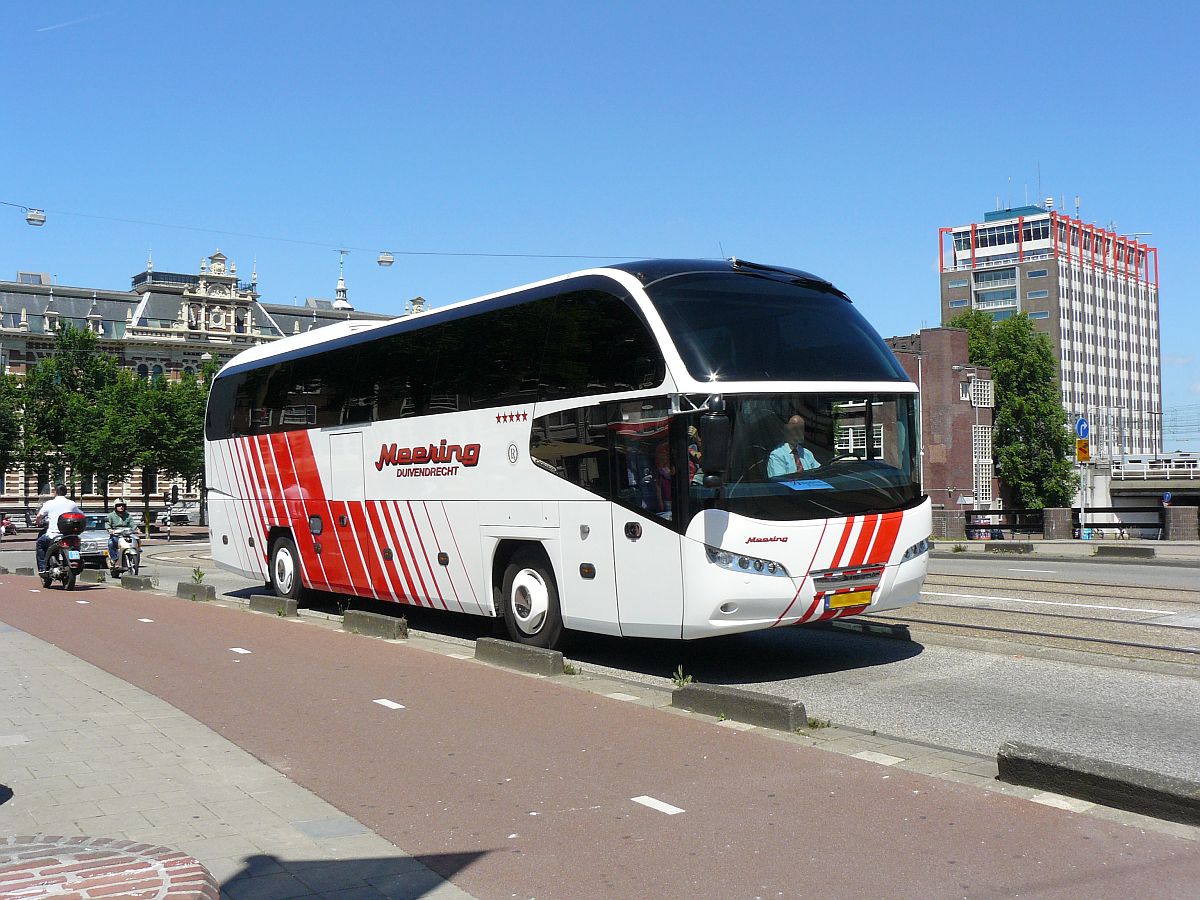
point(573, 444)
point(597, 344)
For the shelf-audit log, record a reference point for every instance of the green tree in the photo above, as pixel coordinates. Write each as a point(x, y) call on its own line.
point(1031, 442)
point(10, 422)
point(166, 428)
point(59, 398)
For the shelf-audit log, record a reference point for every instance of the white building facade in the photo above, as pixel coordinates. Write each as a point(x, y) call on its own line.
point(1092, 290)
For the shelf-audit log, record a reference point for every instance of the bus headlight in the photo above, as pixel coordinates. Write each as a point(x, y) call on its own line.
point(740, 563)
point(922, 546)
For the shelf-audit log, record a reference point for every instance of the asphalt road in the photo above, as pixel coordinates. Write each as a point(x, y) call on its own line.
point(967, 698)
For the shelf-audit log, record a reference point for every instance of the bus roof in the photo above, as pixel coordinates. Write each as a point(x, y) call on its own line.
point(647, 272)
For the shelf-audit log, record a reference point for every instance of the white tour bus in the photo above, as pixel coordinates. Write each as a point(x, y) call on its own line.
point(670, 448)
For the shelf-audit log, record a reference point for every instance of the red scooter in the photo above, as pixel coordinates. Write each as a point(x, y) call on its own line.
point(63, 558)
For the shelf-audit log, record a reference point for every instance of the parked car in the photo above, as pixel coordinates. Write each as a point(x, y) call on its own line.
point(94, 540)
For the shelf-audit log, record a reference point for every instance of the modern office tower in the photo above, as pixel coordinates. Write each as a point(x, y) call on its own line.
point(1092, 290)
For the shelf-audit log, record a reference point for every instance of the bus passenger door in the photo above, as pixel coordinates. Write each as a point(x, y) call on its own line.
point(586, 539)
point(646, 547)
point(649, 576)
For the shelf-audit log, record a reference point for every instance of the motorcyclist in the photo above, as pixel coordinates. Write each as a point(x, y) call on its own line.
point(120, 519)
point(48, 515)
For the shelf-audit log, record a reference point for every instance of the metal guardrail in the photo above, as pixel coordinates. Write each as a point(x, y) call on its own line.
point(1155, 469)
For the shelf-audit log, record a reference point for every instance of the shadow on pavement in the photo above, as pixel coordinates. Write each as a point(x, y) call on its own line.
point(750, 658)
point(395, 876)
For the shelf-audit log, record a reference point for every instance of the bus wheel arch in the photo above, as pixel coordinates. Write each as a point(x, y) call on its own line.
point(527, 594)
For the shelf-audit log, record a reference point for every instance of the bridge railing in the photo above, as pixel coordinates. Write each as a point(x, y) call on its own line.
point(1165, 467)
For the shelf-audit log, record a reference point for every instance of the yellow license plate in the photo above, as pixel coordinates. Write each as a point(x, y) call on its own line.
point(850, 598)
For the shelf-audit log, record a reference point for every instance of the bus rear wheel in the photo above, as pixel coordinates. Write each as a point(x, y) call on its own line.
point(285, 570)
point(531, 612)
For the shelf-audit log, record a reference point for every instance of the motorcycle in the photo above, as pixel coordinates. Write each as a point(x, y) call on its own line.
point(129, 553)
point(64, 561)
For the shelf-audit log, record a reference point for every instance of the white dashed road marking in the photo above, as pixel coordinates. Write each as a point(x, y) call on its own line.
point(658, 805)
point(390, 704)
point(1038, 602)
point(239, 649)
point(145, 620)
point(84, 602)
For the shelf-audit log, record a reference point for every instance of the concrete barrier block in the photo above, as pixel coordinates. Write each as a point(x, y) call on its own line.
point(1009, 547)
point(519, 656)
point(765, 710)
point(136, 582)
point(1097, 781)
point(189, 590)
point(374, 625)
point(1117, 551)
point(272, 605)
point(92, 576)
point(4, 570)
point(25, 570)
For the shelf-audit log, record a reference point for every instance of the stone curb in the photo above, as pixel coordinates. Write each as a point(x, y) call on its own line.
point(136, 582)
point(896, 631)
point(764, 710)
point(189, 590)
point(1097, 781)
point(1062, 557)
point(519, 656)
point(275, 606)
point(370, 624)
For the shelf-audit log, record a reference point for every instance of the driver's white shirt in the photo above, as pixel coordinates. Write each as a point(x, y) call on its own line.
point(53, 508)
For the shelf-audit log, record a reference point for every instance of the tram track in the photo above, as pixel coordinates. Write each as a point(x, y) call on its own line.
point(1148, 623)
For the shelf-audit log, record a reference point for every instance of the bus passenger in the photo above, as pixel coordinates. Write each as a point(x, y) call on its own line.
point(790, 456)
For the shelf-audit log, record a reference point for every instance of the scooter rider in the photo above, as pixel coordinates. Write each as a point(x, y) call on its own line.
point(120, 519)
point(48, 515)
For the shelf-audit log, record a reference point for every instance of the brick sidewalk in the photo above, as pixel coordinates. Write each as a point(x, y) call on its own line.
point(80, 868)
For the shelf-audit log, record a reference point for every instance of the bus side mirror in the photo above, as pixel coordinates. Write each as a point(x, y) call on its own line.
point(714, 447)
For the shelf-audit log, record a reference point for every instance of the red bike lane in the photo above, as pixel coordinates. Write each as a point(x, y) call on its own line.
point(538, 780)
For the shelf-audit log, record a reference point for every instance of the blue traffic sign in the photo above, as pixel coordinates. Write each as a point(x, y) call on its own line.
point(1166, 496)
point(1081, 428)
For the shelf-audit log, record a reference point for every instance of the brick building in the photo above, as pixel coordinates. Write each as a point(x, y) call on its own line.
point(957, 469)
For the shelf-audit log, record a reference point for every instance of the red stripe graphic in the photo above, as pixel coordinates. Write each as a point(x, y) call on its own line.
point(413, 556)
point(407, 560)
point(837, 554)
point(835, 613)
point(421, 541)
point(274, 457)
point(449, 577)
point(255, 491)
point(306, 493)
point(885, 540)
point(391, 514)
point(869, 526)
point(804, 577)
point(382, 538)
point(358, 529)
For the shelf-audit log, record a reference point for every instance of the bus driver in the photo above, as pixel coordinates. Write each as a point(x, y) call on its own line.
point(791, 456)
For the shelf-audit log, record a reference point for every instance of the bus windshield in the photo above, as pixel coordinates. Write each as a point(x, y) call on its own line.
point(812, 456)
point(731, 326)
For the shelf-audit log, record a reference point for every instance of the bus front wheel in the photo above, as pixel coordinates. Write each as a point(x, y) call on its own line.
point(285, 570)
point(531, 611)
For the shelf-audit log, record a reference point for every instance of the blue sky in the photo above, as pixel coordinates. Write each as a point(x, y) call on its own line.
point(835, 138)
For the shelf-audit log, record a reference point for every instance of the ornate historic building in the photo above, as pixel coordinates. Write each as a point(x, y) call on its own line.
point(167, 325)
